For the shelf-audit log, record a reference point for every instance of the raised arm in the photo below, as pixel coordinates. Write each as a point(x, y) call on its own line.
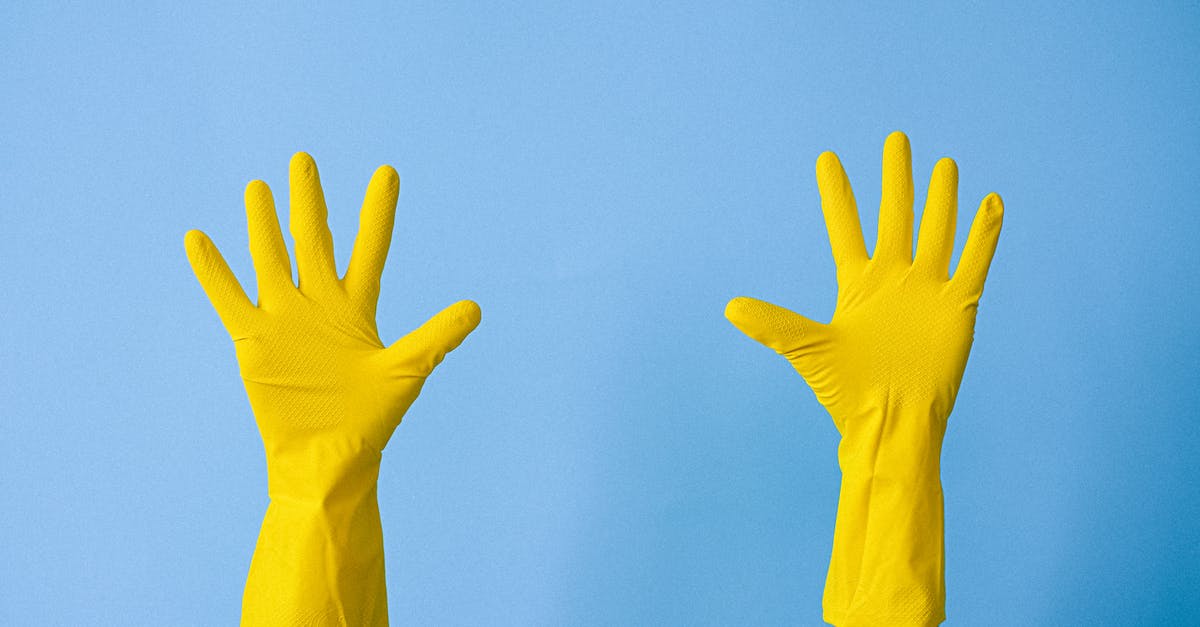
point(887, 368)
point(326, 394)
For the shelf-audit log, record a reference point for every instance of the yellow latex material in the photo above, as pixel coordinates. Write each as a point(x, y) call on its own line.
point(326, 394)
point(887, 368)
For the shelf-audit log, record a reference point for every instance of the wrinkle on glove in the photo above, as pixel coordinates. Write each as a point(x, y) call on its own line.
point(887, 367)
point(326, 393)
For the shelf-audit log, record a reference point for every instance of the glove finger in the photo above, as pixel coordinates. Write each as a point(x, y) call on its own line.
point(374, 237)
point(894, 241)
point(841, 213)
point(783, 330)
point(935, 241)
point(981, 246)
point(309, 227)
point(271, 263)
point(419, 352)
point(219, 283)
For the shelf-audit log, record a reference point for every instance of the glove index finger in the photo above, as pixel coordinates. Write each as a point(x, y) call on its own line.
point(841, 212)
point(271, 262)
point(219, 283)
point(375, 225)
point(976, 258)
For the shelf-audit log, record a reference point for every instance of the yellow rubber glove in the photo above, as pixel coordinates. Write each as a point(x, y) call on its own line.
point(887, 368)
point(326, 395)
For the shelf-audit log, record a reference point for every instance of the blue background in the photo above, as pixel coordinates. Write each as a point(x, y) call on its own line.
point(606, 449)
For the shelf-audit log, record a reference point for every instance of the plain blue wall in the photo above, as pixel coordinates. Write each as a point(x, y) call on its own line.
point(606, 449)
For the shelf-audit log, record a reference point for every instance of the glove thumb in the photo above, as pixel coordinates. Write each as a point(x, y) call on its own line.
point(419, 352)
point(784, 331)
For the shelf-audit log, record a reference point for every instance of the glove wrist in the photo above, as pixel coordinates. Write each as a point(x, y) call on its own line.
point(325, 471)
point(893, 442)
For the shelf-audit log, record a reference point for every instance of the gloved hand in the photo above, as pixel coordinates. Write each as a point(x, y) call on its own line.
point(326, 395)
point(887, 368)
